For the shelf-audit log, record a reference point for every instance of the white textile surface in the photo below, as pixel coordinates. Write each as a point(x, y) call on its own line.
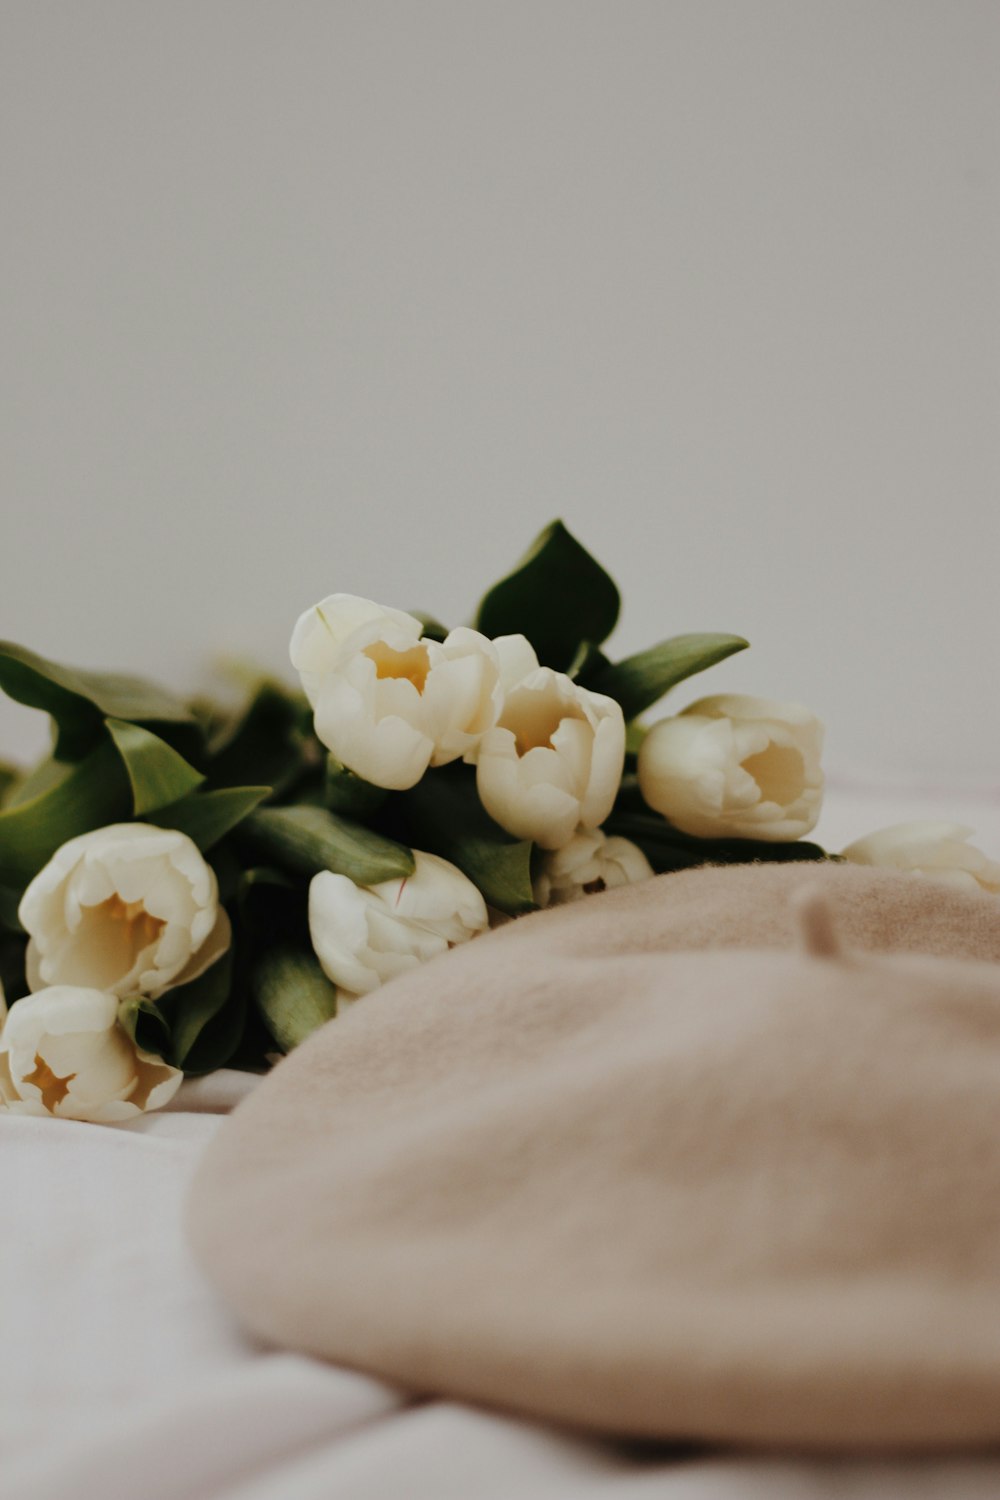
point(122, 1376)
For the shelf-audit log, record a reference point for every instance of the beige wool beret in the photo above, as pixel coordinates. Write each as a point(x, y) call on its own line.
point(716, 1157)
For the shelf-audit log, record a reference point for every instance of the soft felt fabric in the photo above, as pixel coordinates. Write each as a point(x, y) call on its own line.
point(739, 1196)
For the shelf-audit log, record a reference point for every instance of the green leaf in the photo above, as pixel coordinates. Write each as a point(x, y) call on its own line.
point(641, 680)
point(292, 994)
point(306, 840)
point(264, 743)
point(558, 596)
point(10, 776)
point(430, 628)
point(588, 661)
point(207, 817)
point(41, 778)
point(9, 902)
point(157, 773)
point(80, 701)
point(447, 818)
point(13, 981)
point(144, 1023)
point(667, 848)
point(189, 1008)
point(89, 795)
point(347, 793)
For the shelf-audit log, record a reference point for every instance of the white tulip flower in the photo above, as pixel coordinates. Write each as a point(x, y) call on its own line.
point(939, 851)
point(732, 766)
point(321, 633)
point(554, 761)
point(388, 702)
point(366, 935)
point(130, 909)
point(590, 862)
point(63, 1053)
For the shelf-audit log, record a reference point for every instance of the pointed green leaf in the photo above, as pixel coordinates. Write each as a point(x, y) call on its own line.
point(79, 701)
point(431, 628)
point(501, 871)
point(306, 840)
point(558, 596)
point(588, 661)
point(220, 1037)
point(292, 994)
point(447, 818)
point(157, 773)
point(144, 1023)
point(90, 795)
point(667, 848)
point(207, 817)
point(189, 1008)
point(640, 680)
point(41, 778)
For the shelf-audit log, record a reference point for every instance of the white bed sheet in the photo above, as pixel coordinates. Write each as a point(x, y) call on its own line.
point(122, 1375)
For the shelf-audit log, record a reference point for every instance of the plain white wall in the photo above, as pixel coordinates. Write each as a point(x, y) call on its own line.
point(310, 295)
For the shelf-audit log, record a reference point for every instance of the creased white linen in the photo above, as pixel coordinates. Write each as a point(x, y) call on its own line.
point(122, 1375)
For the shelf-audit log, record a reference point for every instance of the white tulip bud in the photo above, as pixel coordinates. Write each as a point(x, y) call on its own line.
point(389, 703)
point(366, 935)
point(733, 766)
point(589, 863)
point(63, 1053)
point(554, 761)
point(131, 909)
point(939, 851)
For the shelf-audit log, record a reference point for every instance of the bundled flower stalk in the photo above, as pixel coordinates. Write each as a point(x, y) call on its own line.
point(183, 889)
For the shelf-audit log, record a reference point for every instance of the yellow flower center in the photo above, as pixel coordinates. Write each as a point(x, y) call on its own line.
point(143, 928)
point(411, 665)
point(780, 773)
point(53, 1089)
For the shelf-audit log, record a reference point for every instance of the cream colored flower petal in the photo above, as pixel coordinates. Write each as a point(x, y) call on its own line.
point(215, 945)
point(338, 928)
point(436, 892)
point(321, 633)
point(462, 696)
point(389, 752)
point(517, 660)
point(121, 909)
point(607, 761)
point(937, 850)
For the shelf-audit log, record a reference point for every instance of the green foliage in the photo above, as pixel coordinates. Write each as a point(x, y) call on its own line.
point(346, 793)
point(641, 680)
point(126, 749)
point(89, 795)
point(158, 775)
point(199, 1032)
point(306, 840)
point(292, 993)
point(264, 742)
point(206, 817)
point(144, 1022)
point(667, 848)
point(558, 596)
point(80, 701)
point(12, 975)
point(446, 817)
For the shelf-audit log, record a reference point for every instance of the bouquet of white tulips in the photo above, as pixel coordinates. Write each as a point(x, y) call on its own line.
point(183, 888)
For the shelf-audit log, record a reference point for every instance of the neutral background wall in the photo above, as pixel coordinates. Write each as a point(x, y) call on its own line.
point(345, 294)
